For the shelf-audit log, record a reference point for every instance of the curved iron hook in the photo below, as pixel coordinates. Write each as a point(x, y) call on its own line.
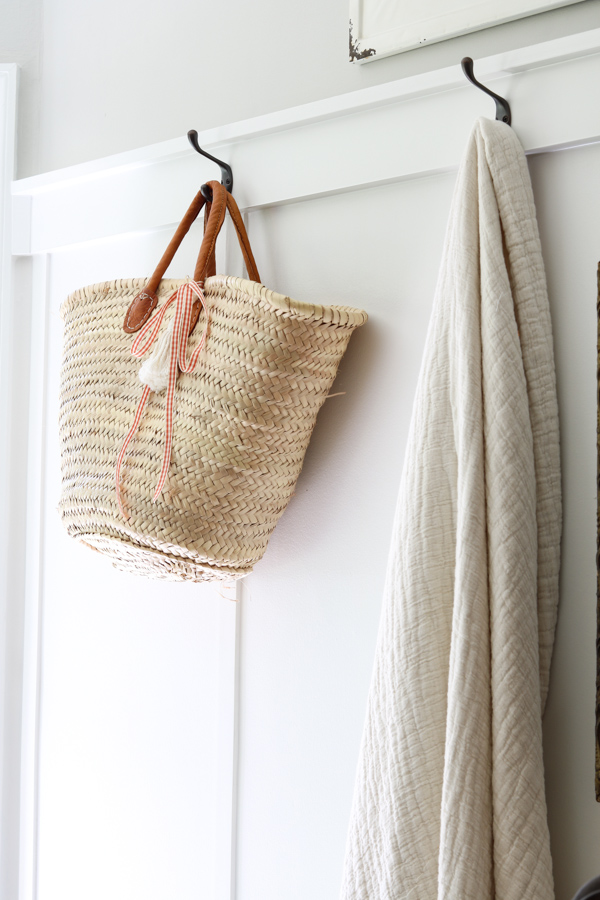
point(502, 107)
point(590, 890)
point(226, 173)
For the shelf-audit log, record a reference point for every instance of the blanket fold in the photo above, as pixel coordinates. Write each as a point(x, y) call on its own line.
point(449, 797)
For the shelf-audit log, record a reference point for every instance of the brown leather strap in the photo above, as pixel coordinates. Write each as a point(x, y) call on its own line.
point(183, 228)
point(243, 239)
point(212, 264)
point(145, 302)
point(242, 236)
point(218, 208)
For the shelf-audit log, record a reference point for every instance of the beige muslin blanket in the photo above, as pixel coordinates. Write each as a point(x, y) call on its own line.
point(449, 797)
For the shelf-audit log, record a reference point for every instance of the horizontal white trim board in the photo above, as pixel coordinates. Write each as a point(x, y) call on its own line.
point(404, 129)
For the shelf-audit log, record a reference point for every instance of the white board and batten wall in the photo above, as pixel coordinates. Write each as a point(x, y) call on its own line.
point(177, 743)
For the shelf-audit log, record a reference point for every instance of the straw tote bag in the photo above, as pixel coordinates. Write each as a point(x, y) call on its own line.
point(181, 469)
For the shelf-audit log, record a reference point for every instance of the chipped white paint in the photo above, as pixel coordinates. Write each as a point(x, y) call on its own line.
point(382, 29)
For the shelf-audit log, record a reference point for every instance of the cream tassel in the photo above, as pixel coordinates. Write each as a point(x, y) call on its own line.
point(155, 370)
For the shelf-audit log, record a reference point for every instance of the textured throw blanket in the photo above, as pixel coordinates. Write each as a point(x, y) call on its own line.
point(449, 798)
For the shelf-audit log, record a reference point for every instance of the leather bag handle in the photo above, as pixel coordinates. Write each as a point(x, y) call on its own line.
point(211, 269)
point(144, 303)
point(242, 234)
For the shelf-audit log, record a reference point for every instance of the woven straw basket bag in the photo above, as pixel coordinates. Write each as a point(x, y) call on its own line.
point(181, 470)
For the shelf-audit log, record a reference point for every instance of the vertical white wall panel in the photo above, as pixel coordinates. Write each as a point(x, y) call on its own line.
point(566, 186)
point(311, 617)
point(130, 696)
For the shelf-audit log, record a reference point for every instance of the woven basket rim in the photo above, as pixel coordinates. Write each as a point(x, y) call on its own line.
point(317, 312)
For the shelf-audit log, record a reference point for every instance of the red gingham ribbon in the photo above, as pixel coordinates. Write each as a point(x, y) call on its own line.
point(184, 300)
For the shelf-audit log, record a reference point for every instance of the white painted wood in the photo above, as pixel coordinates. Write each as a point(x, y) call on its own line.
point(8, 114)
point(311, 619)
point(565, 187)
point(382, 29)
point(230, 611)
point(423, 118)
point(226, 824)
point(9, 674)
point(21, 223)
point(72, 578)
point(129, 715)
point(296, 676)
point(8, 93)
point(32, 644)
point(310, 627)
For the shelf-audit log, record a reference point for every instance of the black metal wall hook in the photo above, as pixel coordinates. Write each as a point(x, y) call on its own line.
point(226, 173)
point(502, 107)
point(590, 890)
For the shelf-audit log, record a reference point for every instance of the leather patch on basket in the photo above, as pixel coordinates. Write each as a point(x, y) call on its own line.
point(195, 314)
point(140, 309)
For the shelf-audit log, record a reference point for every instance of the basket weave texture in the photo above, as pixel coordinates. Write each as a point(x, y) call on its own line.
point(243, 421)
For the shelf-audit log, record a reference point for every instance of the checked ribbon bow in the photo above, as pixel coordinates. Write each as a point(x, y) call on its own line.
point(174, 353)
